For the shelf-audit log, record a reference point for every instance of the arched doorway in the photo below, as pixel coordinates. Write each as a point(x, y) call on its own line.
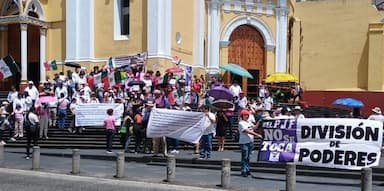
point(247, 48)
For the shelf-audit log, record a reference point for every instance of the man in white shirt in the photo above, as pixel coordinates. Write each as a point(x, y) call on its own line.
point(376, 115)
point(235, 89)
point(61, 89)
point(32, 91)
point(206, 139)
point(243, 101)
point(12, 94)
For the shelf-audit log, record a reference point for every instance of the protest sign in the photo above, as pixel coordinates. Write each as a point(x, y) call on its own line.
point(325, 142)
point(182, 125)
point(93, 114)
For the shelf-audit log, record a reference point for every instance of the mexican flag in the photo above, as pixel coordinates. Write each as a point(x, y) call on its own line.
point(50, 65)
point(7, 67)
point(102, 77)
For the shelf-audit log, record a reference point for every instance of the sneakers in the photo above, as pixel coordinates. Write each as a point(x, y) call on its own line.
point(109, 152)
point(27, 158)
point(175, 151)
point(12, 139)
point(2, 143)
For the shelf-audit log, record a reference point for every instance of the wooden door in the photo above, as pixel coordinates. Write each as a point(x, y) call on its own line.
point(246, 48)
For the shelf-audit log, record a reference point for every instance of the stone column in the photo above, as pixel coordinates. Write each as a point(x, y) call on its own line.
point(24, 53)
point(281, 36)
point(43, 32)
point(375, 72)
point(213, 36)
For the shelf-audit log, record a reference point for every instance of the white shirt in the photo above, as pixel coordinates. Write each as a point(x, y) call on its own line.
point(268, 103)
point(59, 90)
point(33, 92)
point(376, 117)
point(12, 96)
point(208, 125)
point(243, 102)
point(33, 118)
point(235, 89)
point(245, 137)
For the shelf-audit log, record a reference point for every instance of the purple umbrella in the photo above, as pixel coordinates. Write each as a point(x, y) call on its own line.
point(220, 92)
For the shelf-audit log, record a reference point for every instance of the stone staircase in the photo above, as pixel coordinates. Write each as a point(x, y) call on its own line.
point(94, 137)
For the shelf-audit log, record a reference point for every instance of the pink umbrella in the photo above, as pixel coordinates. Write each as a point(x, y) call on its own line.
point(46, 99)
point(174, 70)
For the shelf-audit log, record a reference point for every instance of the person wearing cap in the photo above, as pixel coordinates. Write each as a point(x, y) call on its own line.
point(297, 112)
point(209, 131)
point(32, 91)
point(246, 138)
point(376, 115)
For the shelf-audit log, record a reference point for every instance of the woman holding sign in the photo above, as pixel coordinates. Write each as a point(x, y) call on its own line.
point(246, 138)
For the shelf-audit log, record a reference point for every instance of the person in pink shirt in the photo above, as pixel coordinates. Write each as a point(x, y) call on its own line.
point(19, 116)
point(109, 124)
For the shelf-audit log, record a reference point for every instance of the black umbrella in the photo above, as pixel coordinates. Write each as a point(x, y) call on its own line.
point(73, 64)
point(136, 82)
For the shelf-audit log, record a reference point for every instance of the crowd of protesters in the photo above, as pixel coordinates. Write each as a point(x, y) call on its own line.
point(170, 90)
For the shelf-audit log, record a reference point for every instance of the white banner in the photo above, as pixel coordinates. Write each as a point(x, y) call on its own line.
point(325, 142)
point(182, 125)
point(93, 114)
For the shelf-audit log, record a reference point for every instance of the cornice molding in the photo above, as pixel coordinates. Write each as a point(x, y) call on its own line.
point(23, 19)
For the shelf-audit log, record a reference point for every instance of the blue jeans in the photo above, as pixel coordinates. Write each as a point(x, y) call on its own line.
point(246, 151)
point(230, 126)
point(62, 113)
point(206, 145)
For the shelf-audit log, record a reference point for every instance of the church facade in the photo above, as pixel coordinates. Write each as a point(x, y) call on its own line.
point(330, 45)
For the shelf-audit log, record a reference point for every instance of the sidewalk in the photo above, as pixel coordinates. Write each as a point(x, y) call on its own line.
point(184, 176)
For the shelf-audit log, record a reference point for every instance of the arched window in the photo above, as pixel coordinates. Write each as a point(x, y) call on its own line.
point(10, 7)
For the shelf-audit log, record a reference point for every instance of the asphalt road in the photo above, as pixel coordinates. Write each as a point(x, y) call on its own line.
point(98, 175)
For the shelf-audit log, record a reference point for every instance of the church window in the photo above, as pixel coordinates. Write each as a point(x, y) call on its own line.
point(121, 19)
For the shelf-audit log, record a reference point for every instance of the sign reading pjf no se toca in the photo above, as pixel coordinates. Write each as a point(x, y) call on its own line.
point(325, 142)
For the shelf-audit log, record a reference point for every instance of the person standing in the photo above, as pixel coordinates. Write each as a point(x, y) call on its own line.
point(376, 115)
point(126, 131)
point(62, 110)
point(12, 95)
point(32, 91)
point(32, 129)
point(298, 112)
point(206, 139)
point(222, 121)
point(109, 124)
point(19, 120)
point(246, 138)
point(44, 120)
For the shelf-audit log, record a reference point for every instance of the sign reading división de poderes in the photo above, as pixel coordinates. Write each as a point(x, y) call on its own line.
point(325, 142)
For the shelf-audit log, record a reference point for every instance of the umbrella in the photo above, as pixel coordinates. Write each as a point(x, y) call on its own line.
point(220, 92)
point(222, 104)
point(136, 82)
point(174, 70)
point(46, 99)
point(73, 64)
point(350, 102)
point(236, 69)
point(281, 77)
